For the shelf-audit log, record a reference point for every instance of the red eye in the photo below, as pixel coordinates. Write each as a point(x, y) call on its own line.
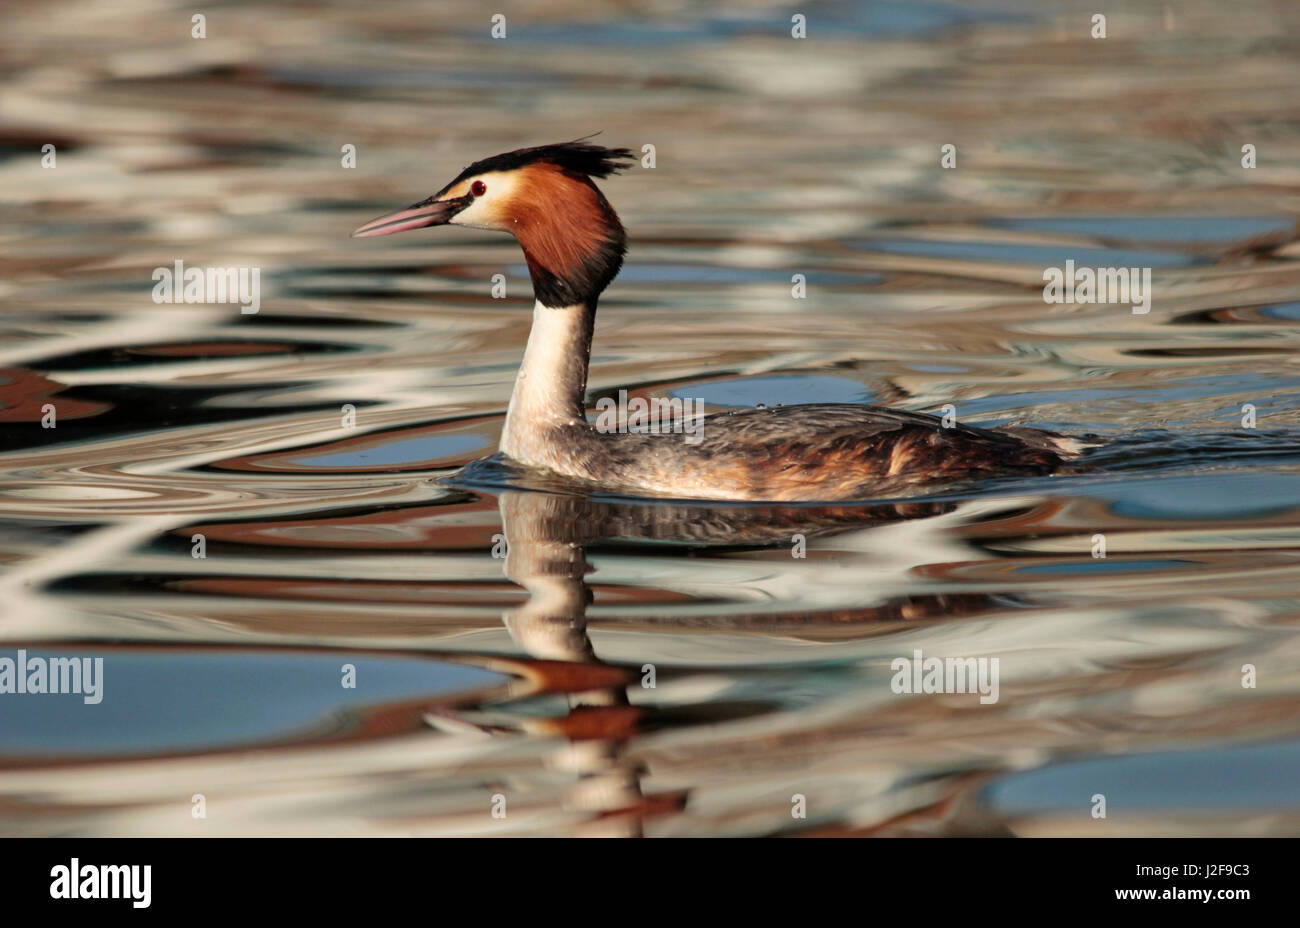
point(478, 188)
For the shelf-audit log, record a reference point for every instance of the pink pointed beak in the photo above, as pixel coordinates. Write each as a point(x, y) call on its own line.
point(428, 212)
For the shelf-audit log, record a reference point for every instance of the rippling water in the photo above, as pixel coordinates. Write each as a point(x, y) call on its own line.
point(482, 680)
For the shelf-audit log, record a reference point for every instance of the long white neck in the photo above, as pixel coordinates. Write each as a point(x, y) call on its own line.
point(552, 383)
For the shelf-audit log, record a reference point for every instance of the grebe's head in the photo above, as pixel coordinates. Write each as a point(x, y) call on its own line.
point(544, 196)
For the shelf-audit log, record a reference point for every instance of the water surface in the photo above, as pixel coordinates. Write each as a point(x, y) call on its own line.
point(333, 541)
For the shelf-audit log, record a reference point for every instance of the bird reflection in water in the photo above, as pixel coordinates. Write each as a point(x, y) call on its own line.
point(547, 538)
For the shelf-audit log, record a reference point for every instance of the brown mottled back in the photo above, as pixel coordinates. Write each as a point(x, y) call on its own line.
point(827, 451)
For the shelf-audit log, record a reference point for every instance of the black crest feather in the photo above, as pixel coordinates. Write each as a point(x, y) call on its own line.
point(577, 157)
point(567, 283)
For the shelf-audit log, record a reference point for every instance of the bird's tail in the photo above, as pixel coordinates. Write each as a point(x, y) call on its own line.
point(1066, 447)
point(1160, 449)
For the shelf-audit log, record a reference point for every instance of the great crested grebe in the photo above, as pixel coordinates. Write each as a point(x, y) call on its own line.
point(574, 243)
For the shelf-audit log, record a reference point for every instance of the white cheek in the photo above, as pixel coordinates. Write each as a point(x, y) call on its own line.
point(484, 212)
point(475, 216)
